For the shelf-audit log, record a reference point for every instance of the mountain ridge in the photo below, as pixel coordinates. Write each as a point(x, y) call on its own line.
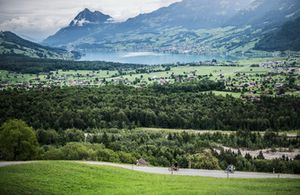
point(87, 17)
point(13, 45)
point(252, 20)
point(84, 23)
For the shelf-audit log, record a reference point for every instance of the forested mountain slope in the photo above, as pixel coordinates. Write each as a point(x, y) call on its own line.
point(13, 45)
point(287, 38)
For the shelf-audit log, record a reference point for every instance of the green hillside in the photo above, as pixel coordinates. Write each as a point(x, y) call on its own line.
point(13, 45)
point(72, 178)
point(287, 38)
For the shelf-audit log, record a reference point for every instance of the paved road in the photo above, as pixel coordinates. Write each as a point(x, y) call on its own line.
point(9, 163)
point(196, 172)
point(188, 172)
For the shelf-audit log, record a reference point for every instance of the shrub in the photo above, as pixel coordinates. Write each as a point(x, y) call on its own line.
point(53, 154)
point(75, 151)
point(204, 160)
point(17, 141)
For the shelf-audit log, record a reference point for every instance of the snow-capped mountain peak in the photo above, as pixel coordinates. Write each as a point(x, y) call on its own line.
point(87, 17)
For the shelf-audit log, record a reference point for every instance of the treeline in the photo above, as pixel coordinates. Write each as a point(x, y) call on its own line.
point(18, 141)
point(165, 149)
point(132, 138)
point(197, 86)
point(129, 107)
point(23, 64)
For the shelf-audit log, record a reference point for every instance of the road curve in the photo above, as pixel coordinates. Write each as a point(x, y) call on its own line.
point(196, 172)
point(187, 172)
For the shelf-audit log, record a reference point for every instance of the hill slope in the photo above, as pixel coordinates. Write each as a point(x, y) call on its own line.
point(190, 14)
point(74, 178)
point(287, 38)
point(13, 45)
point(267, 13)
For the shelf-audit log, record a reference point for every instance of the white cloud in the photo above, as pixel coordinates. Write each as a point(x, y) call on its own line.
point(33, 27)
point(39, 18)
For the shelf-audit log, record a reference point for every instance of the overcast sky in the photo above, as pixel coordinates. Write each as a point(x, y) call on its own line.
point(37, 19)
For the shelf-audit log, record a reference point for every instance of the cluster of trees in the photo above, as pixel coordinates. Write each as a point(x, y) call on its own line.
point(252, 140)
point(164, 149)
point(22, 64)
point(156, 106)
point(196, 86)
point(86, 151)
point(240, 139)
point(18, 141)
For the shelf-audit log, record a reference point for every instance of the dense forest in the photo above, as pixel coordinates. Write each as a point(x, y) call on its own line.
point(164, 149)
point(201, 151)
point(153, 106)
point(21, 64)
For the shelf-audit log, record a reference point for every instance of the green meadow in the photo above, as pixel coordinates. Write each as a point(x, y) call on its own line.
point(60, 177)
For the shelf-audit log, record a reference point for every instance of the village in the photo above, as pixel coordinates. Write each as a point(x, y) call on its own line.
point(272, 77)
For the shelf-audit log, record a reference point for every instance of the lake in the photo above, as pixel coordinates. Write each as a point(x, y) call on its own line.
point(150, 58)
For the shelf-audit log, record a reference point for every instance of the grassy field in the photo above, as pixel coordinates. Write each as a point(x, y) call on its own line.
point(75, 178)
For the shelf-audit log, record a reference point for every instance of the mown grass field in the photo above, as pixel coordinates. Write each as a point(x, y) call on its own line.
point(74, 178)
